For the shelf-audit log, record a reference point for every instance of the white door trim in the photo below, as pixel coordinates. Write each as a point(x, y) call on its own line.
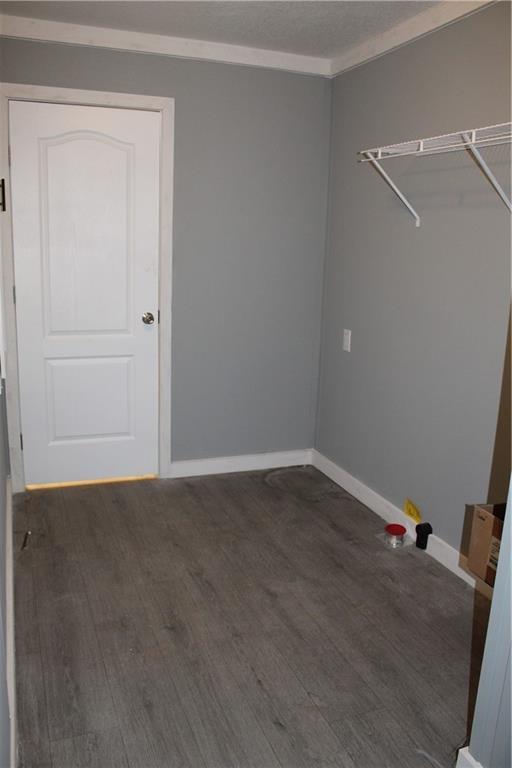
point(163, 105)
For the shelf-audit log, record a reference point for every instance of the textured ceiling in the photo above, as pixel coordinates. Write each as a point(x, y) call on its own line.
point(318, 28)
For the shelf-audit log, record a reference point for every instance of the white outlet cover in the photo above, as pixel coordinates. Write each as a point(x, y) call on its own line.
point(347, 339)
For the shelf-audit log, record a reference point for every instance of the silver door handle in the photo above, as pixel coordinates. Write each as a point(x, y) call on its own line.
point(148, 318)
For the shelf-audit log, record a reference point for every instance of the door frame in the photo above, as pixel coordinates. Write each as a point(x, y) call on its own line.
point(163, 105)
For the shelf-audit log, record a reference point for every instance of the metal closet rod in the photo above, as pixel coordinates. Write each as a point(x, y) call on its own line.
point(469, 140)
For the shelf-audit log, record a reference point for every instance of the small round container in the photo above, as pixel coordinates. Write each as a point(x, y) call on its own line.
point(395, 535)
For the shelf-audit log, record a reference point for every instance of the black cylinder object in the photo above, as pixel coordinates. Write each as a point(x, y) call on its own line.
point(423, 531)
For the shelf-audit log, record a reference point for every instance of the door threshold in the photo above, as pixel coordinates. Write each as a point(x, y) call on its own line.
point(99, 481)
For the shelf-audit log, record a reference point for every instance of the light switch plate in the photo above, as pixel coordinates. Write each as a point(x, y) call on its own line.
point(347, 340)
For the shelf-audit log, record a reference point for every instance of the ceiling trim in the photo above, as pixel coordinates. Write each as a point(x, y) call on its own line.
point(181, 47)
point(415, 27)
point(143, 42)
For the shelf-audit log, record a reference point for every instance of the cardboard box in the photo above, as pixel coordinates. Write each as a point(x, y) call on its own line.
point(484, 544)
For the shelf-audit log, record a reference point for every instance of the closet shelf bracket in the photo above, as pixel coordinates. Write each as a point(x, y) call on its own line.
point(380, 170)
point(477, 157)
point(470, 141)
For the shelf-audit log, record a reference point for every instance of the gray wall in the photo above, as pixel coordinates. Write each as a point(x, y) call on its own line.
point(412, 410)
point(251, 155)
point(4, 703)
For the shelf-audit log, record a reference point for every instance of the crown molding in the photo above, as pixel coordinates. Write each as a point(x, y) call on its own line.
point(142, 42)
point(163, 45)
point(418, 26)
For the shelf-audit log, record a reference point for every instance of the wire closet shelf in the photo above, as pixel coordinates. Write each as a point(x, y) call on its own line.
point(470, 140)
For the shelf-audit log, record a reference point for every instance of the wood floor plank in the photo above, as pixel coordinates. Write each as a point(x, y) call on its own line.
point(25, 607)
point(43, 513)
point(78, 698)
point(126, 634)
point(96, 526)
point(291, 721)
point(390, 585)
point(197, 647)
point(203, 700)
point(282, 706)
point(91, 750)
point(249, 621)
point(378, 740)
point(395, 683)
point(32, 720)
point(332, 683)
point(153, 724)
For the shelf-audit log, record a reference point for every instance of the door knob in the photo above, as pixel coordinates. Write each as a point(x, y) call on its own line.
point(148, 318)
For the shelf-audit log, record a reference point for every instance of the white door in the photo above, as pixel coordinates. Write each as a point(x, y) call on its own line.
point(85, 194)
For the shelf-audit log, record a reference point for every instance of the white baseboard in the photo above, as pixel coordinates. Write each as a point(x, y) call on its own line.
point(225, 464)
point(437, 548)
point(466, 760)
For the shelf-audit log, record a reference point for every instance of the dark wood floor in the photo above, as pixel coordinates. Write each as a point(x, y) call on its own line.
point(249, 620)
